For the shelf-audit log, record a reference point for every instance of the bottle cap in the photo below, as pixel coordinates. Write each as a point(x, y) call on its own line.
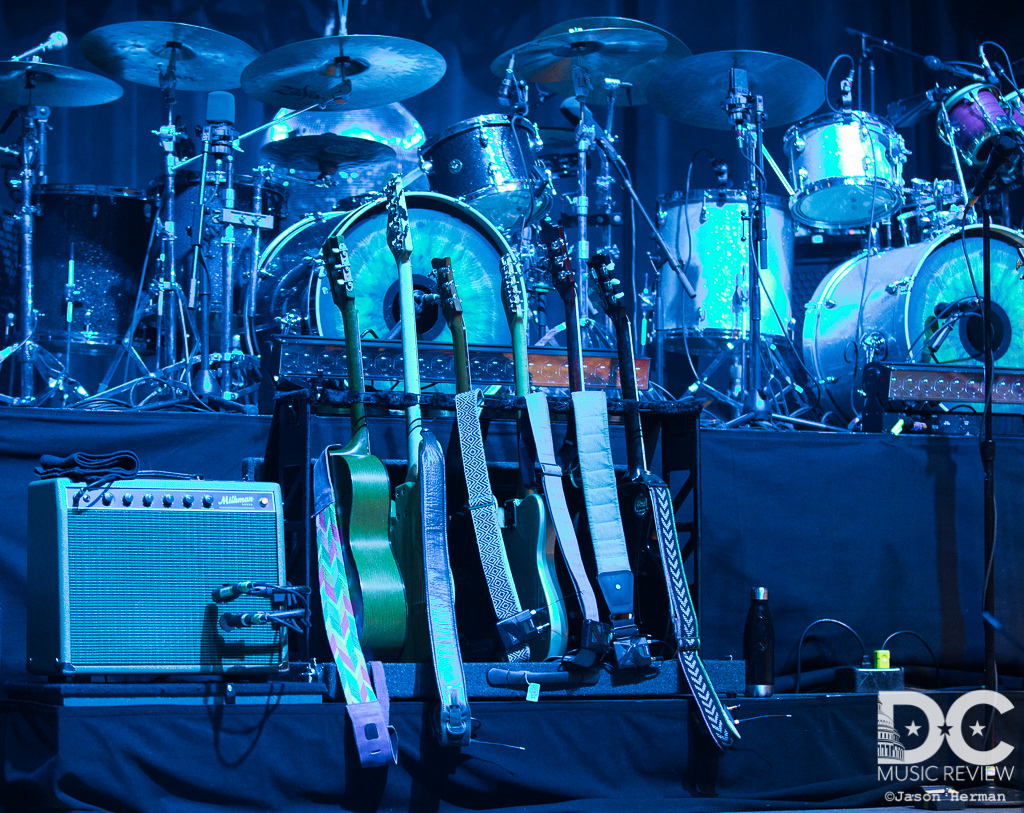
point(759, 594)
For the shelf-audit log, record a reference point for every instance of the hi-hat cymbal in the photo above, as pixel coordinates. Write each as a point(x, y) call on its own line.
point(325, 153)
point(692, 90)
point(639, 76)
point(29, 83)
point(606, 53)
point(141, 51)
point(361, 70)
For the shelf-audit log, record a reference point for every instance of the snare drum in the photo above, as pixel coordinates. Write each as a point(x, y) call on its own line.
point(494, 168)
point(295, 292)
point(846, 170)
point(976, 118)
point(710, 237)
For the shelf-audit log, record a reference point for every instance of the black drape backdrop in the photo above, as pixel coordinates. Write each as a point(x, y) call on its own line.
point(113, 145)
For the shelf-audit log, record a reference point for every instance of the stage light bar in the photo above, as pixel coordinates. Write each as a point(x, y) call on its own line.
point(310, 358)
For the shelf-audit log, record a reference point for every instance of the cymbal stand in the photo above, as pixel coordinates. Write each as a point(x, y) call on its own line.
point(584, 140)
point(30, 356)
point(746, 110)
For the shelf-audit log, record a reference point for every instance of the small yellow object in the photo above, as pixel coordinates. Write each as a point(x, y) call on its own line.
point(881, 659)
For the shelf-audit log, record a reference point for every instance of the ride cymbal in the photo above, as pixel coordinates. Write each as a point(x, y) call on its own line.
point(141, 52)
point(605, 53)
point(640, 76)
point(360, 70)
point(38, 83)
point(693, 90)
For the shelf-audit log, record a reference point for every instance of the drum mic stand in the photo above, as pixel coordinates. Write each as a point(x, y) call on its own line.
point(746, 110)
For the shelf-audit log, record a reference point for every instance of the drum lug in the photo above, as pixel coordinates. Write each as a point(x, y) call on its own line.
point(799, 144)
point(426, 165)
point(829, 304)
point(801, 178)
point(898, 285)
point(661, 216)
point(867, 163)
point(702, 314)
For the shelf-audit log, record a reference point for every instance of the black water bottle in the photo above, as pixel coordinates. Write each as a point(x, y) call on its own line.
point(759, 646)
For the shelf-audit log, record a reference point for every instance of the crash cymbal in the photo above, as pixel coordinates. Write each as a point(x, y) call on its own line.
point(54, 85)
point(639, 76)
point(140, 51)
point(378, 70)
point(557, 139)
point(692, 90)
point(606, 53)
point(325, 153)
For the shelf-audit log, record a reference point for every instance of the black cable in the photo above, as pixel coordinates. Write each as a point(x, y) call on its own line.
point(828, 77)
point(938, 674)
point(803, 635)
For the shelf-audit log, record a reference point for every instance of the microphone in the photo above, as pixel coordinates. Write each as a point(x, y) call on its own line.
point(990, 75)
point(220, 120)
point(57, 40)
point(505, 92)
point(1002, 149)
point(933, 63)
point(969, 305)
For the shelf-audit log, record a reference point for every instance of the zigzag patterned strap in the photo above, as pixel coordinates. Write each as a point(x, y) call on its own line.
point(454, 723)
point(375, 738)
point(684, 619)
point(483, 508)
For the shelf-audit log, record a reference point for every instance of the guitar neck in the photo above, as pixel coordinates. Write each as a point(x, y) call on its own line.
point(635, 452)
point(460, 345)
point(411, 365)
point(573, 340)
point(354, 363)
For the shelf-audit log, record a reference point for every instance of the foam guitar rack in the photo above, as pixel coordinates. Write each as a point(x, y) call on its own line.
point(120, 580)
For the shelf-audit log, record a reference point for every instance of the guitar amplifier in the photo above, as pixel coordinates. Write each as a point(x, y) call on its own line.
point(120, 580)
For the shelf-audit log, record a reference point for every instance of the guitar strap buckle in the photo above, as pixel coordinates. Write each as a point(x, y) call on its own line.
point(454, 725)
point(632, 650)
point(520, 629)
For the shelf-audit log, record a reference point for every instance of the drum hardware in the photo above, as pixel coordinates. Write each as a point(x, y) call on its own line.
point(361, 69)
point(34, 87)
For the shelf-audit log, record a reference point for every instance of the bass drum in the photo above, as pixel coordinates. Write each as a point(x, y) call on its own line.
point(913, 304)
point(295, 295)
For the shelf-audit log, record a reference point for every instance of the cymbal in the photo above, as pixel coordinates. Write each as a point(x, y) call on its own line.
point(638, 77)
point(606, 53)
point(557, 139)
point(378, 70)
point(54, 85)
point(325, 153)
point(140, 51)
point(692, 90)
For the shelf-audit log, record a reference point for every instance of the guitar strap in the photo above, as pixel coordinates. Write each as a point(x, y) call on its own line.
point(601, 493)
point(454, 723)
point(368, 710)
point(684, 619)
point(515, 627)
point(594, 639)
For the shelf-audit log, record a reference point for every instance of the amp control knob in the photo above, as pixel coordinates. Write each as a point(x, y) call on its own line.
point(187, 500)
point(168, 500)
point(147, 500)
point(207, 501)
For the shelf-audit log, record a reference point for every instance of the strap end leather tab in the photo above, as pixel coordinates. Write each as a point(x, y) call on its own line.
point(373, 736)
point(454, 724)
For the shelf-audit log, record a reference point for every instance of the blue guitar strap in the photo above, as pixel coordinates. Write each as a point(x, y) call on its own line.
point(595, 636)
point(454, 724)
point(601, 492)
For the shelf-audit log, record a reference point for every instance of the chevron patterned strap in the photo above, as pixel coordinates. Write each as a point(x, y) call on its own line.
point(596, 635)
point(367, 712)
point(454, 724)
point(601, 492)
point(483, 510)
point(684, 619)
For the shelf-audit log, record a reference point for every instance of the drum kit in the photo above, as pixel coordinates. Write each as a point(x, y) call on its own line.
point(227, 275)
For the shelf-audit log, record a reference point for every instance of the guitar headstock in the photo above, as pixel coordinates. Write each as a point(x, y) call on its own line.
point(338, 268)
point(561, 263)
point(513, 288)
point(451, 305)
point(399, 237)
point(602, 269)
